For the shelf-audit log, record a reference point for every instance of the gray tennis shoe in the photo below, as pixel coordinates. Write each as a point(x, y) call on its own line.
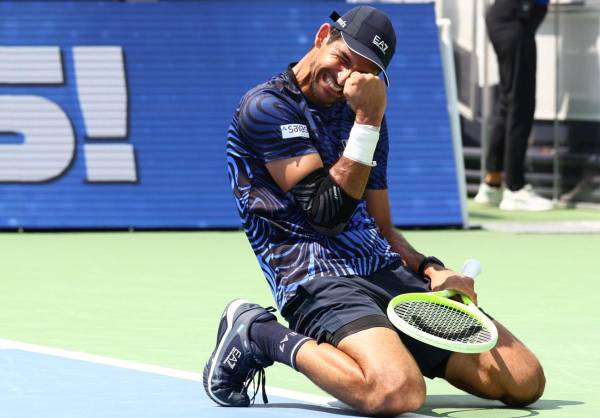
point(236, 359)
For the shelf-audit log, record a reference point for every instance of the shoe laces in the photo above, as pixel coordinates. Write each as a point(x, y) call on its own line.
point(258, 379)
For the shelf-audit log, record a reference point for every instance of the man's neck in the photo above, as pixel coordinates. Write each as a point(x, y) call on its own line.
point(302, 72)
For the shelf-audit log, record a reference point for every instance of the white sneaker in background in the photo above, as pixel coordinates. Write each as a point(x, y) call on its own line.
point(524, 199)
point(488, 195)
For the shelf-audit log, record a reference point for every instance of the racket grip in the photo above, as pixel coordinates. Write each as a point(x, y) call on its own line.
point(448, 293)
point(472, 268)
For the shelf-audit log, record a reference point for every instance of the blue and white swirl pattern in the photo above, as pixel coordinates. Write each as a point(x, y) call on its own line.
point(288, 249)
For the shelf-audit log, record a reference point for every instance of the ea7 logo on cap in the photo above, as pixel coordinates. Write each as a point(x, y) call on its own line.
point(380, 44)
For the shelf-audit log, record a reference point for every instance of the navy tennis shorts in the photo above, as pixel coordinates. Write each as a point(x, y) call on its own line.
point(329, 309)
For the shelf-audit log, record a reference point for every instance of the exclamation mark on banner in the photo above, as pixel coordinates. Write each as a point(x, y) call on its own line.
point(102, 91)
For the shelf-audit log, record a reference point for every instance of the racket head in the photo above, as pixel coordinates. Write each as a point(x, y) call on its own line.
point(436, 320)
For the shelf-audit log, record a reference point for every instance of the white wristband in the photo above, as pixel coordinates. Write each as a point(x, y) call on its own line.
point(361, 144)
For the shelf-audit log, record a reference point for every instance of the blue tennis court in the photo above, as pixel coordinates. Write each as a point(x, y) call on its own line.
point(36, 384)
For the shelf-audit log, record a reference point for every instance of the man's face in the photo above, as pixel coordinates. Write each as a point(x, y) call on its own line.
point(332, 66)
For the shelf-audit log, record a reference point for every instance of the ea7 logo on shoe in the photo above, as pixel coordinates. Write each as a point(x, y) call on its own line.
point(233, 357)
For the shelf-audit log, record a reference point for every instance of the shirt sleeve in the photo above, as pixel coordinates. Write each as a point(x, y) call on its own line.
point(378, 177)
point(273, 127)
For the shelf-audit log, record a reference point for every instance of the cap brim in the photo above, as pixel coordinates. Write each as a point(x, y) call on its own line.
point(366, 53)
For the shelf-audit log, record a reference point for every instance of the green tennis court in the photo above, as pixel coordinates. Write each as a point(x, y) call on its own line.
point(155, 298)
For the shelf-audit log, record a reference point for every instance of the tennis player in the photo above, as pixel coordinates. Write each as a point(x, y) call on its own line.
point(307, 156)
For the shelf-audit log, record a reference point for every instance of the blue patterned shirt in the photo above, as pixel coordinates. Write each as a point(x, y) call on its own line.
point(275, 121)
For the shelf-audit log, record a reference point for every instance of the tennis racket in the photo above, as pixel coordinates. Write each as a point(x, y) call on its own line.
point(437, 320)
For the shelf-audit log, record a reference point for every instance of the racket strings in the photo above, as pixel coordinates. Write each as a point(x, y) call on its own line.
point(443, 321)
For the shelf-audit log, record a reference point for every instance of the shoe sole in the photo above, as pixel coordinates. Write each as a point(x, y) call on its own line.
point(517, 208)
point(487, 202)
point(209, 369)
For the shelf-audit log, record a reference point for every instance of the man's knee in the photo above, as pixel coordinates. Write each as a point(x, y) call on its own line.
point(394, 397)
point(527, 386)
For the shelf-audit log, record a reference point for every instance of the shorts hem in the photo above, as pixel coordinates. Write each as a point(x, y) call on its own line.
point(360, 324)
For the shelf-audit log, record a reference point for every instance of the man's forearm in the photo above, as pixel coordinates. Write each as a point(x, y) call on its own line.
point(351, 176)
point(410, 257)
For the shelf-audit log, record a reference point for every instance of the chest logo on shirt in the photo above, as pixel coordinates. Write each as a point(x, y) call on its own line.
point(294, 130)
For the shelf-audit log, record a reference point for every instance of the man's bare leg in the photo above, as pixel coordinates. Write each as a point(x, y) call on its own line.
point(371, 371)
point(510, 372)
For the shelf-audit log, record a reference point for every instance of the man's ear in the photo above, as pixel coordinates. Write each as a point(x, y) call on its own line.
point(322, 35)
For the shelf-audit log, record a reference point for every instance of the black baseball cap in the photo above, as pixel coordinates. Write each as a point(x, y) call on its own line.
point(368, 32)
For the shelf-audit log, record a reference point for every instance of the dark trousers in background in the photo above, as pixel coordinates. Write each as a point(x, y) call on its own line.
point(511, 26)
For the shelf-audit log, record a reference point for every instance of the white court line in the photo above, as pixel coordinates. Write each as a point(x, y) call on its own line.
point(166, 371)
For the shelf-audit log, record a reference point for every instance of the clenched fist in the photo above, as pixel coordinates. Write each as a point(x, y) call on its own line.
point(365, 93)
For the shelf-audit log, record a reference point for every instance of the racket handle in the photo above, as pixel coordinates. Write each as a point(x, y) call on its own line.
point(472, 268)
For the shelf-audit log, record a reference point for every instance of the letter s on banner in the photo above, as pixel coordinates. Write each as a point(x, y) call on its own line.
point(49, 141)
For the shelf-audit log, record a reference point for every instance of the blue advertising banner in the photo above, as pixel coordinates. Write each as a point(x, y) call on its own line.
point(114, 115)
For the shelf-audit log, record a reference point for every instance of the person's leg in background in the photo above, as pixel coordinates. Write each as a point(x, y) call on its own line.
point(519, 118)
point(519, 122)
point(505, 32)
point(513, 38)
